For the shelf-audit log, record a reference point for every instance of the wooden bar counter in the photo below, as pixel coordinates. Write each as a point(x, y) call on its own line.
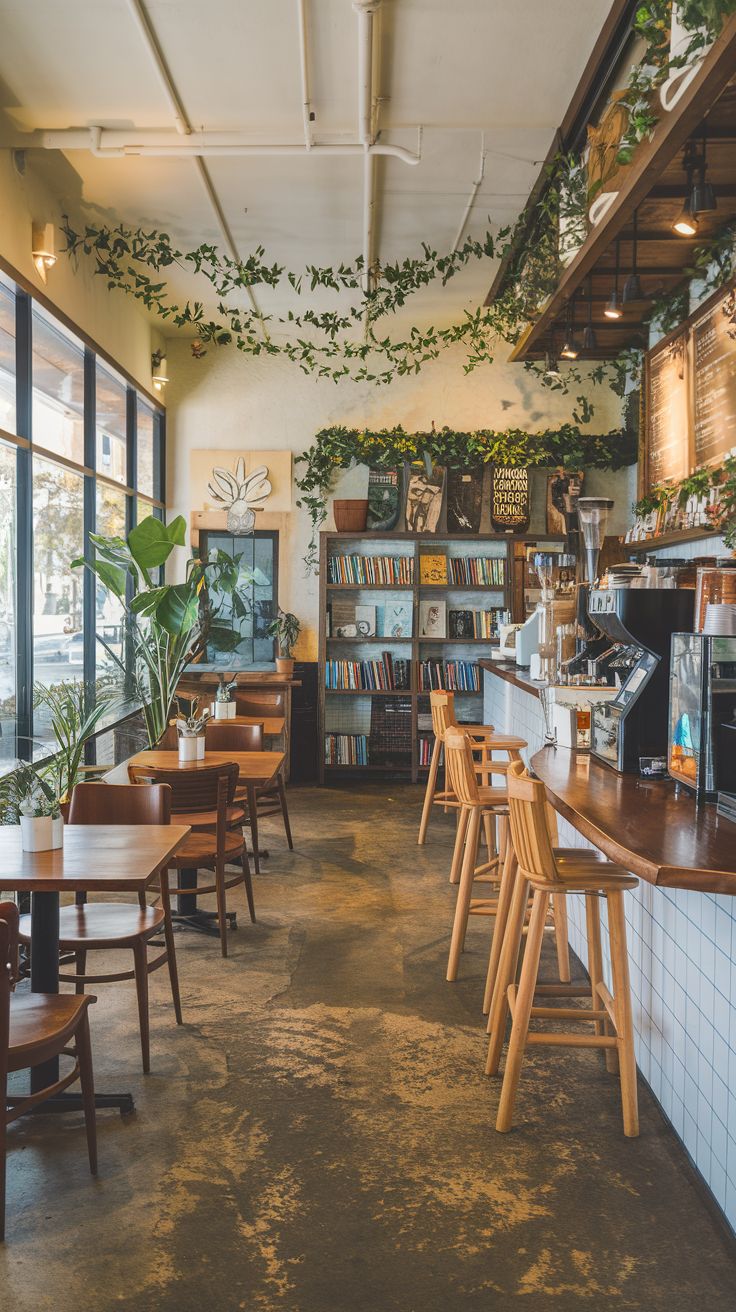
point(644, 825)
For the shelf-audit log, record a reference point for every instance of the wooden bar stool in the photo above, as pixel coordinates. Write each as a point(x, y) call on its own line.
point(442, 706)
point(545, 874)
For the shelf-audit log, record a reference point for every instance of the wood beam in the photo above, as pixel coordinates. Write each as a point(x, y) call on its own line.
point(650, 160)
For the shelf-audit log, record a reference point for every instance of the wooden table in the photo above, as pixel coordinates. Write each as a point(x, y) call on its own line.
point(94, 858)
point(272, 725)
point(256, 769)
point(654, 830)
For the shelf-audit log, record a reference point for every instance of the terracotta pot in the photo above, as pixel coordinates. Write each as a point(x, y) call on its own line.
point(284, 666)
point(350, 516)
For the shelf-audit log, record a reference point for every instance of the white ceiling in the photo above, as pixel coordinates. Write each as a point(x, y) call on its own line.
point(506, 68)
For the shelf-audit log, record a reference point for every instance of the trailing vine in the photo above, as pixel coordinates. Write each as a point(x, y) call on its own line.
point(699, 484)
point(338, 448)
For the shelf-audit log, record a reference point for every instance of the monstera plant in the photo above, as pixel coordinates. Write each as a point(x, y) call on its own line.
point(168, 624)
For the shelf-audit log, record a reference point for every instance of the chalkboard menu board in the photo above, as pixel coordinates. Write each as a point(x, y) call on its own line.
point(714, 379)
point(510, 499)
point(668, 412)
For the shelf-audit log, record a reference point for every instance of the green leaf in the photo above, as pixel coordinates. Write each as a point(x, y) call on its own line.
point(178, 610)
point(152, 542)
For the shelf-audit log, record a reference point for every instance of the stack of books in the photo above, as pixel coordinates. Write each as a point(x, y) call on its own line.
point(368, 676)
point(475, 623)
point(346, 749)
point(392, 570)
point(452, 676)
point(483, 571)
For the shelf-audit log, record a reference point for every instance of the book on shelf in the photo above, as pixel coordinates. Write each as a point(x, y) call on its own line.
point(388, 674)
point(393, 571)
point(346, 749)
point(433, 569)
point(342, 619)
point(432, 619)
point(365, 621)
point(397, 619)
point(477, 571)
point(390, 737)
point(452, 676)
point(475, 623)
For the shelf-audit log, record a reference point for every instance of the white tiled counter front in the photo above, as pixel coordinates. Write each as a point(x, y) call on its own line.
point(682, 947)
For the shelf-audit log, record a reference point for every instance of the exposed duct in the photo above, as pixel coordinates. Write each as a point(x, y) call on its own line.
point(116, 143)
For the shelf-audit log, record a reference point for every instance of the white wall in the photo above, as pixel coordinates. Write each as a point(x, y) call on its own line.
point(233, 401)
point(49, 189)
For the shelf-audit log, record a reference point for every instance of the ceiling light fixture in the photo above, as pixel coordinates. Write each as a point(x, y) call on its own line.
point(159, 372)
point(703, 197)
point(632, 287)
point(686, 223)
point(613, 309)
point(43, 248)
point(590, 341)
point(551, 369)
point(570, 349)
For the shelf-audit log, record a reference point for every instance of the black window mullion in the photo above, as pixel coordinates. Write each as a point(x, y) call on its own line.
point(130, 521)
point(159, 457)
point(90, 516)
point(24, 528)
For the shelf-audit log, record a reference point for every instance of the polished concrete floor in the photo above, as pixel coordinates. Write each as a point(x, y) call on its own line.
point(318, 1136)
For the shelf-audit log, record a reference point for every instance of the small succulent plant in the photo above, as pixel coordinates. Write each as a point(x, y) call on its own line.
point(238, 494)
point(224, 688)
point(193, 724)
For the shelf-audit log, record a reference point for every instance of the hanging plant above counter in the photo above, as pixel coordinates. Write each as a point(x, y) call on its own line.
point(339, 448)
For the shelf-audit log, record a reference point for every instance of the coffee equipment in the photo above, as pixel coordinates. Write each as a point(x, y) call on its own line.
point(592, 645)
point(538, 635)
point(638, 624)
point(702, 721)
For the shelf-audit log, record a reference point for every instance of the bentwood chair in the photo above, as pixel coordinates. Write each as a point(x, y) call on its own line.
point(34, 1028)
point(209, 790)
point(113, 926)
point(544, 874)
point(261, 802)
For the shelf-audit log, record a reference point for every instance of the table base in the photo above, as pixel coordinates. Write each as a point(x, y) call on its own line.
point(72, 1102)
point(203, 922)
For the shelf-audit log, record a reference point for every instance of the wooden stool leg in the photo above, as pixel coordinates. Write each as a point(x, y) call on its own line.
point(86, 1080)
point(80, 966)
point(522, 1011)
point(464, 894)
point(559, 912)
point(622, 1005)
point(253, 821)
point(489, 835)
point(429, 792)
point(170, 948)
point(505, 893)
point(463, 816)
point(221, 905)
point(284, 811)
point(140, 963)
point(595, 970)
point(506, 974)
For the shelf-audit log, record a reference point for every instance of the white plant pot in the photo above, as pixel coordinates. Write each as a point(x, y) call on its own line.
point(36, 833)
point(191, 748)
point(57, 831)
point(600, 206)
point(680, 78)
point(225, 710)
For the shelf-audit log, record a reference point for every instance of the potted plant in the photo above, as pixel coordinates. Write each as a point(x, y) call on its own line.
point(168, 624)
point(28, 798)
point(224, 707)
point(285, 628)
point(191, 731)
point(74, 711)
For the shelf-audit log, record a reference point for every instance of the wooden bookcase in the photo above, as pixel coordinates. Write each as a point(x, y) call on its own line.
point(350, 711)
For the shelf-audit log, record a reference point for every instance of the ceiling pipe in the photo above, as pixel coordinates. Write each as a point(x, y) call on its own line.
point(365, 9)
point(109, 143)
point(473, 193)
point(184, 128)
point(304, 62)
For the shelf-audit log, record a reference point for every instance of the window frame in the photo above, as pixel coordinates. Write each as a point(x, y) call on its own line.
point(25, 450)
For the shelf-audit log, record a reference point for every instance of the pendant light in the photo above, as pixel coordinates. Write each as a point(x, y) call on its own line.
point(570, 349)
point(703, 198)
point(551, 367)
point(686, 223)
point(590, 341)
point(632, 287)
point(613, 309)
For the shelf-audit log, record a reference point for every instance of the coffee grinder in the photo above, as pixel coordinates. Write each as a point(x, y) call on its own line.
point(591, 643)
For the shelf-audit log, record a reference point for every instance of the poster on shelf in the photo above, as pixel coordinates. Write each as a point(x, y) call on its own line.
point(365, 621)
point(384, 487)
point(424, 498)
point(344, 619)
point(432, 619)
point(510, 499)
point(397, 620)
point(564, 487)
point(464, 500)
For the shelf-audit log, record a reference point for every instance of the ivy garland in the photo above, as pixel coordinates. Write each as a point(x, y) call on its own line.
point(339, 448)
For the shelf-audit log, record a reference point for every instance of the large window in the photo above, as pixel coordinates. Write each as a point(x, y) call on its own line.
point(7, 357)
point(258, 584)
point(82, 452)
point(58, 388)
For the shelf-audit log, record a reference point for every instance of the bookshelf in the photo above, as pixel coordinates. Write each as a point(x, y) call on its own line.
point(374, 730)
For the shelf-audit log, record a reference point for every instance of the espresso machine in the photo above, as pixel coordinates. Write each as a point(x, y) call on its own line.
point(639, 623)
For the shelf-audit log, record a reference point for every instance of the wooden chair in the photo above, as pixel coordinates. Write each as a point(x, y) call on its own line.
point(112, 926)
point(34, 1028)
point(260, 803)
point(442, 706)
point(610, 1012)
point(206, 791)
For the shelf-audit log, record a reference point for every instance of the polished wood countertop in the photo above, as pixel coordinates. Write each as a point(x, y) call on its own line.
point(512, 673)
point(642, 824)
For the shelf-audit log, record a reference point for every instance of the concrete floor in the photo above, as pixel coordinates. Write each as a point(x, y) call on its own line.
point(318, 1136)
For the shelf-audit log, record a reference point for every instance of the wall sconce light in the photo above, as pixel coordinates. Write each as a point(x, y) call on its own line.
point(159, 373)
point(43, 248)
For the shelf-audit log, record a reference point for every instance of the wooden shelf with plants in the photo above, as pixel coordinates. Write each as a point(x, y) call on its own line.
point(377, 634)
